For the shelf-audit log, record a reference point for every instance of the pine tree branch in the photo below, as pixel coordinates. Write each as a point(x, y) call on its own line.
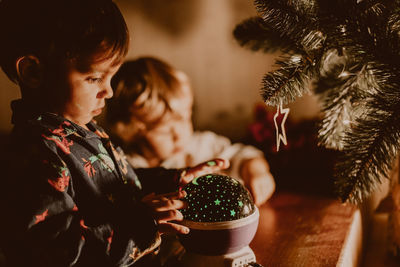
point(372, 144)
point(368, 155)
point(340, 9)
point(393, 32)
point(371, 22)
point(289, 82)
point(358, 85)
point(290, 26)
point(341, 89)
point(367, 27)
point(342, 105)
point(255, 34)
point(334, 124)
point(304, 8)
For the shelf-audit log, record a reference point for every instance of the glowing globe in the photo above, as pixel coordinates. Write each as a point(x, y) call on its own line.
point(221, 215)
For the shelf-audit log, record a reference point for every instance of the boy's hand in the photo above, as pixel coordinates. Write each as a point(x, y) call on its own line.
point(207, 167)
point(165, 211)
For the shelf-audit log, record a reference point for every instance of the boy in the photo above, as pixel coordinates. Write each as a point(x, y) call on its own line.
point(68, 195)
point(150, 116)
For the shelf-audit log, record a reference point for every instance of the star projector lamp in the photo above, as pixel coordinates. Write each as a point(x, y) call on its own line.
point(221, 216)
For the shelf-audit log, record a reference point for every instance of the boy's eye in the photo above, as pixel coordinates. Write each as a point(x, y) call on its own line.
point(93, 80)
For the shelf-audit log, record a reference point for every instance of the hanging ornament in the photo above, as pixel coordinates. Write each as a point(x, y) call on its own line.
point(280, 129)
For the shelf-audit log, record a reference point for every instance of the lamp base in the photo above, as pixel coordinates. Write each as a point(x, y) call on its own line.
point(240, 258)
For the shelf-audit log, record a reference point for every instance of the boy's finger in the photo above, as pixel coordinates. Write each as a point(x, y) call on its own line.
point(148, 197)
point(172, 228)
point(167, 204)
point(168, 215)
point(174, 195)
point(164, 197)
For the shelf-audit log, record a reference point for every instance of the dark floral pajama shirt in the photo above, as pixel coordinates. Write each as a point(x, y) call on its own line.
point(69, 197)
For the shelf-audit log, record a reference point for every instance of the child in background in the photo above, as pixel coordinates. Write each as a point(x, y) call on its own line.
point(150, 117)
point(68, 196)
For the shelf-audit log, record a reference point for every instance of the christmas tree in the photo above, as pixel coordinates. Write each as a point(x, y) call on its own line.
point(349, 51)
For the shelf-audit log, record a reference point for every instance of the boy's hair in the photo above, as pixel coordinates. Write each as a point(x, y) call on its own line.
point(141, 88)
point(57, 31)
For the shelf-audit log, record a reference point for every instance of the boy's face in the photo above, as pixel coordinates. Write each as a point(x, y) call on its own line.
point(86, 91)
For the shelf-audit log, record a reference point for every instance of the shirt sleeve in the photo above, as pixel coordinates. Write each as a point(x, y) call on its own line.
point(158, 180)
point(48, 222)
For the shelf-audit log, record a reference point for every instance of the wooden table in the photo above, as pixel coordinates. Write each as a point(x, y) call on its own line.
point(298, 230)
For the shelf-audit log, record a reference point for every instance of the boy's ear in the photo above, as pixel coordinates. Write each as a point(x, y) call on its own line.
point(29, 71)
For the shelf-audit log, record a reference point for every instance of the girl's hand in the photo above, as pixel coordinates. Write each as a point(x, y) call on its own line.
point(207, 167)
point(258, 179)
point(165, 211)
point(261, 187)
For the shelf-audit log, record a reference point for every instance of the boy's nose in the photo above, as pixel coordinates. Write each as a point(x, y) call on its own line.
point(108, 91)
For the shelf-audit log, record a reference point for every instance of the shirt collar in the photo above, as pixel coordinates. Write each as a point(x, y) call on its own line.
point(52, 123)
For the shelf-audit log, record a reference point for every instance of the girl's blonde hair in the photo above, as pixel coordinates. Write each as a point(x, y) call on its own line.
point(144, 90)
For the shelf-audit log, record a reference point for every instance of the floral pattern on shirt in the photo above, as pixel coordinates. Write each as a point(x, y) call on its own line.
point(74, 196)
